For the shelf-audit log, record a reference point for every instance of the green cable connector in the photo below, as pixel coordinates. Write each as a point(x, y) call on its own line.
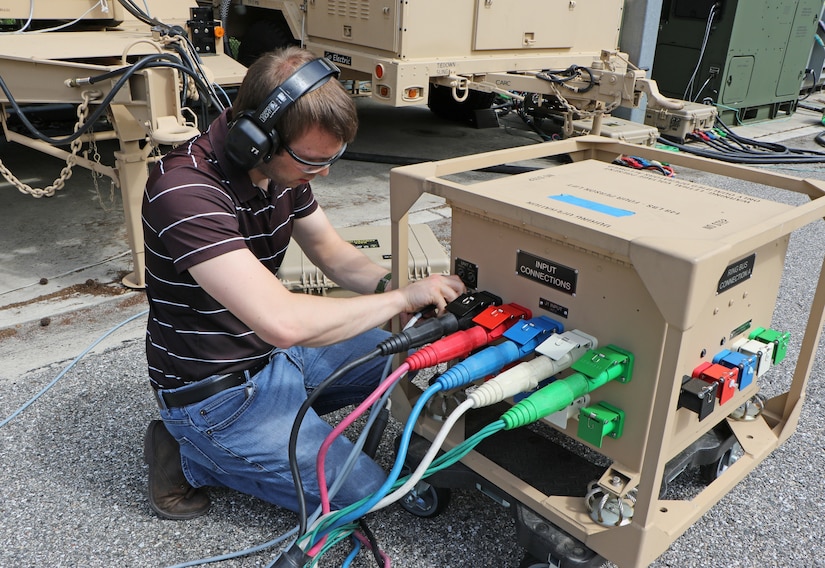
point(666, 147)
point(598, 421)
point(594, 369)
point(606, 364)
point(780, 340)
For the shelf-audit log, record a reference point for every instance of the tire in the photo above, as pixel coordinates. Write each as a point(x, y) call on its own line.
point(530, 561)
point(426, 501)
point(711, 472)
point(264, 36)
point(442, 103)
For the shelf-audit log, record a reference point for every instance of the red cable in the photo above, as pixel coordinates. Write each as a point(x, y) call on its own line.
point(393, 378)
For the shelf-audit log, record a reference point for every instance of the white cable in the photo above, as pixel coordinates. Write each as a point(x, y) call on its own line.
point(708, 26)
point(431, 454)
point(73, 22)
point(28, 21)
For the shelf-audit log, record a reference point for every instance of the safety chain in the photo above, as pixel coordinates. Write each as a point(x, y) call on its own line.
point(71, 159)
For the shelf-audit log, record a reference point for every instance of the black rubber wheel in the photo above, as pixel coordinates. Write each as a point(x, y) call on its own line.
point(264, 36)
point(442, 103)
point(426, 501)
point(710, 472)
point(530, 561)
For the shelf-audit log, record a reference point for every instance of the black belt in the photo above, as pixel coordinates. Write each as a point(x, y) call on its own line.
point(197, 392)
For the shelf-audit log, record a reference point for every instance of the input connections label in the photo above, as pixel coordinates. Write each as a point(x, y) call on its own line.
point(552, 274)
point(736, 273)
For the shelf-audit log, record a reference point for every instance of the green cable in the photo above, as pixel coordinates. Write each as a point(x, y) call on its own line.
point(333, 539)
point(458, 452)
point(445, 460)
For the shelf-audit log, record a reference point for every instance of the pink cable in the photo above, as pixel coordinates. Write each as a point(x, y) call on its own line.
point(365, 541)
point(393, 378)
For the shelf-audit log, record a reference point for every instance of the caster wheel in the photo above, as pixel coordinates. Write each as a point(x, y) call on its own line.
point(530, 561)
point(712, 471)
point(426, 501)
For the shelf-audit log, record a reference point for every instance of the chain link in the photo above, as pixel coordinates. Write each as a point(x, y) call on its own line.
point(71, 159)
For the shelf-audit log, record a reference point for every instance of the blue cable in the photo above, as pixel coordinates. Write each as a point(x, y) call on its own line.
point(356, 548)
point(393, 475)
point(68, 367)
point(521, 339)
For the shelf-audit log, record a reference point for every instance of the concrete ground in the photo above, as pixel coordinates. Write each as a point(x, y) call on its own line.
point(72, 480)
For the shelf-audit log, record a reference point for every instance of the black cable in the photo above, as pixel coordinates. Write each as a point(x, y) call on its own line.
point(526, 119)
point(565, 75)
point(738, 149)
point(91, 119)
point(820, 138)
point(376, 432)
point(741, 158)
point(459, 314)
point(194, 60)
point(813, 86)
point(138, 13)
point(176, 31)
point(376, 550)
point(750, 142)
point(296, 425)
point(149, 61)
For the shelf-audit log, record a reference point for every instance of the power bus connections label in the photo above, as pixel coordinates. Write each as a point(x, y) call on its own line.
point(551, 274)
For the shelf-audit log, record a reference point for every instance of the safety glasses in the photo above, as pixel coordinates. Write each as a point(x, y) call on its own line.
point(311, 167)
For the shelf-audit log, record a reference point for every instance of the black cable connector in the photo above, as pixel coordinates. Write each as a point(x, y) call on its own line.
point(460, 314)
point(292, 557)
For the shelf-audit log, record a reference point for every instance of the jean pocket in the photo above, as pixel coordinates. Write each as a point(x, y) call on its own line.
point(223, 409)
point(194, 453)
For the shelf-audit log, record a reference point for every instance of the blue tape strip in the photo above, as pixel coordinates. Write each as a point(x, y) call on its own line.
point(592, 205)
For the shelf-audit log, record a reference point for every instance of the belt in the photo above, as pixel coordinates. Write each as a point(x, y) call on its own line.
point(201, 390)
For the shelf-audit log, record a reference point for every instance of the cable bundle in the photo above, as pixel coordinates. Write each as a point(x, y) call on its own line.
point(725, 145)
point(639, 163)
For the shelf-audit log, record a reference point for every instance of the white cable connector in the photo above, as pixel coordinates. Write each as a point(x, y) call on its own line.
point(556, 353)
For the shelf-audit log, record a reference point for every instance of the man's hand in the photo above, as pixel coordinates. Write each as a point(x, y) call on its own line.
point(436, 290)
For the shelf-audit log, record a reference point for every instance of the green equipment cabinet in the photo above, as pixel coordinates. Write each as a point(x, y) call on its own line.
point(754, 57)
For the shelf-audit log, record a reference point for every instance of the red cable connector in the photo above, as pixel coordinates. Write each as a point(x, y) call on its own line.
point(490, 325)
point(727, 378)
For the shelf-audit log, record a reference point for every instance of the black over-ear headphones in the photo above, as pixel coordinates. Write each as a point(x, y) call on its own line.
point(252, 137)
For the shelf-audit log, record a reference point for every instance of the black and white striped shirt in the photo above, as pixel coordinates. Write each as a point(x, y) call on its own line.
point(197, 206)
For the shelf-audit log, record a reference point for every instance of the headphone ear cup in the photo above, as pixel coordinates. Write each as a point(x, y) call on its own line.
point(253, 137)
point(275, 140)
point(246, 143)
point(274, 145)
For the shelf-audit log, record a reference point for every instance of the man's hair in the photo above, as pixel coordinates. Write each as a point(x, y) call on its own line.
point(329, 106)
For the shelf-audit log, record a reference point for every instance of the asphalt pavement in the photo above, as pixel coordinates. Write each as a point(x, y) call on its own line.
point(72, 478)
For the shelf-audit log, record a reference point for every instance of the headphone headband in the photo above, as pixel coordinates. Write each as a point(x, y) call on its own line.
point(306, 78)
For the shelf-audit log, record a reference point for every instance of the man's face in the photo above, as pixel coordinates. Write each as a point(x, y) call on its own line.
point(309, 155)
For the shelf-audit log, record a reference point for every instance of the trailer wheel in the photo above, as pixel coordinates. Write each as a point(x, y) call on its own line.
point(442, 103)
point(530, 561)
point(710, 472)
point(263, 36)
point(426, 501)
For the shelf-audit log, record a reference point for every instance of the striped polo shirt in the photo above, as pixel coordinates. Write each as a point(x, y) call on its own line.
point(197, 206)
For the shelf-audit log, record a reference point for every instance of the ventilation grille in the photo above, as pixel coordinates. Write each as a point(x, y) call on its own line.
point(349, 8)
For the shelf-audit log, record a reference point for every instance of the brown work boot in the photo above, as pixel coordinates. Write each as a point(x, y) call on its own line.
point(170, 495)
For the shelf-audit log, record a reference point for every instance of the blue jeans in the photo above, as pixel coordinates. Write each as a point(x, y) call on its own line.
point(239, 438)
